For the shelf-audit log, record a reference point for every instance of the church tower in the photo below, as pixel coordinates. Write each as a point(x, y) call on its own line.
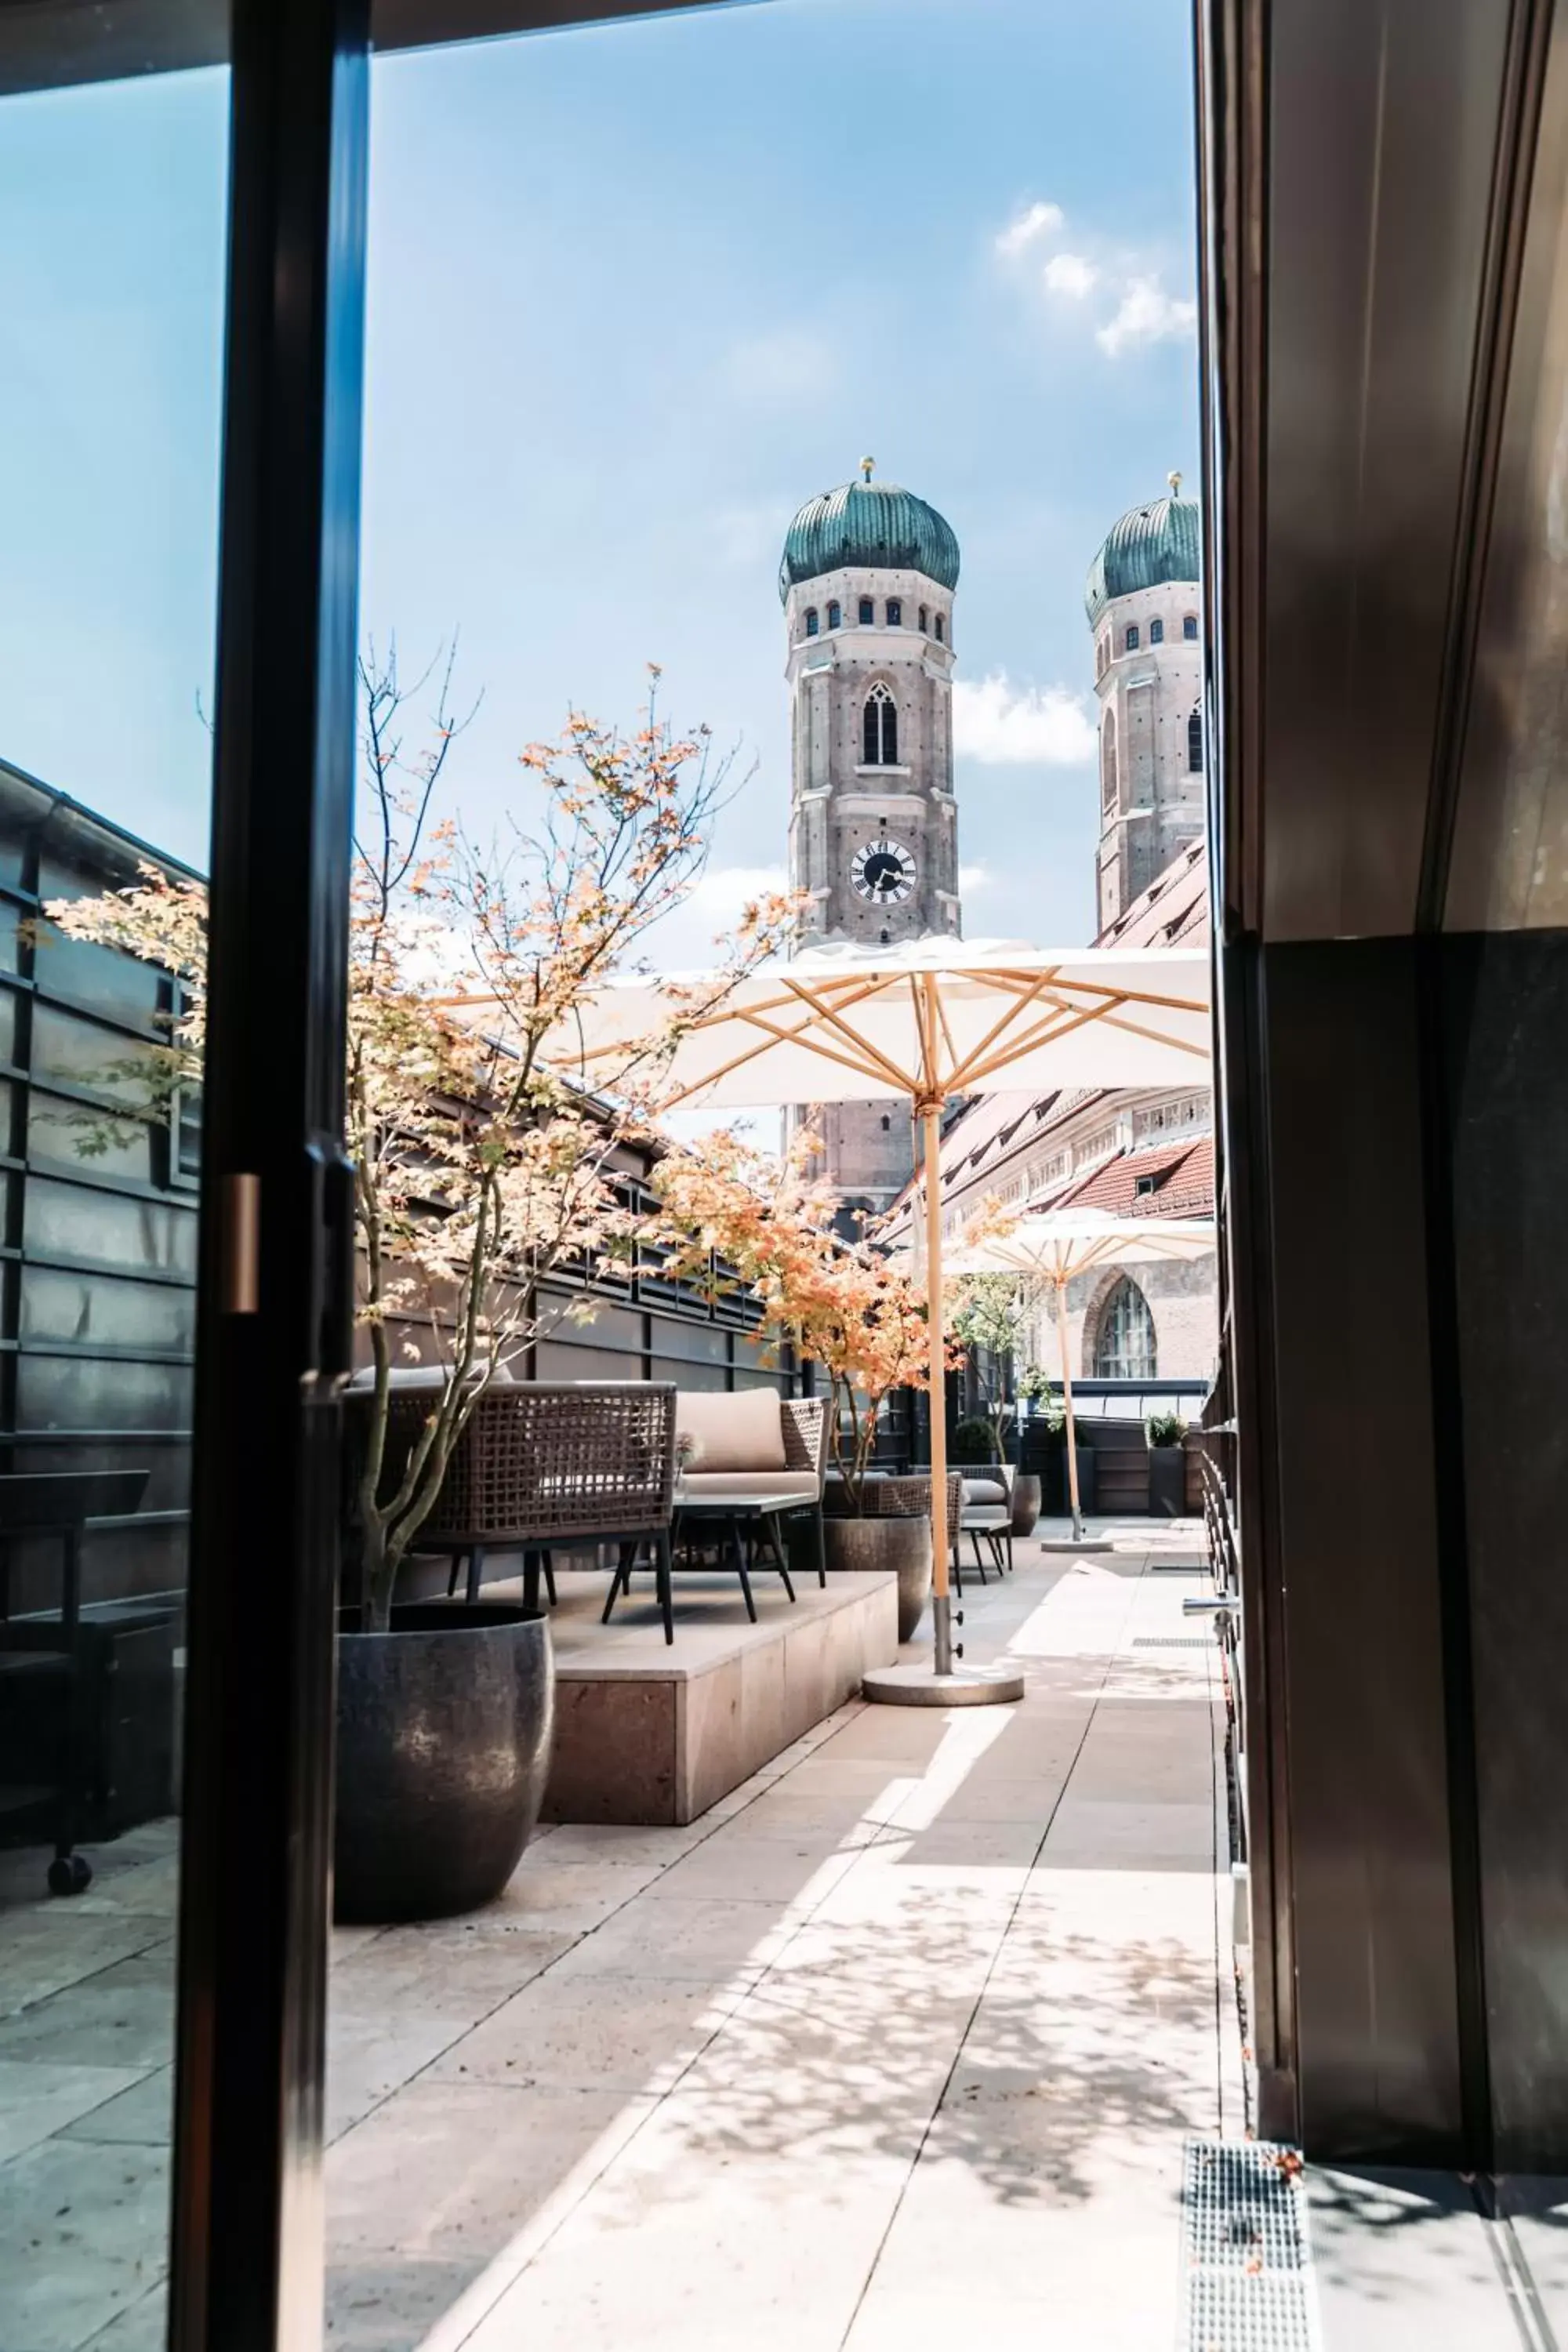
point(866, 581)
point(1143, 600)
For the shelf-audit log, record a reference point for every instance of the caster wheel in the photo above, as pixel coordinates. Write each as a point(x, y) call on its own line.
point(70, 1873)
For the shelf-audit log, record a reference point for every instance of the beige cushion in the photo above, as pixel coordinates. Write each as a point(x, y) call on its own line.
point(418, 1377)
point(704, 1485)
point(745, 1432)
point(985, 1490)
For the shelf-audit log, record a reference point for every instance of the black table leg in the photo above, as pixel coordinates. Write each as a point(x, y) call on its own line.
point(530, 1582)
point(775, 1537)
point(738, 1548)
point(662, 1579)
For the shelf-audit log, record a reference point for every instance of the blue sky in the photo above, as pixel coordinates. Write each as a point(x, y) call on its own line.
point(636, 293)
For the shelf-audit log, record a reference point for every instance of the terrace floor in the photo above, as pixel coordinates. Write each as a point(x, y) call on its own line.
point(898, 2045)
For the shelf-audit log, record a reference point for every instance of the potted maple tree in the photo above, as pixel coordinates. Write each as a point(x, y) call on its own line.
point(769, 1229)
point(476, 1173)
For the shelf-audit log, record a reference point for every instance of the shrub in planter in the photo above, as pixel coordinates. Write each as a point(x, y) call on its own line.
point(1167, 1466)
point(973, 1443)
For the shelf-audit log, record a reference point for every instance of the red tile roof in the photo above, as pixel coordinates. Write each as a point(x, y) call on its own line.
point(1182, 1177)
point(1173, 909)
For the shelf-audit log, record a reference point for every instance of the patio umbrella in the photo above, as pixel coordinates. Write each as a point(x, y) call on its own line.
point(1055, 1248)
point(924, 1022)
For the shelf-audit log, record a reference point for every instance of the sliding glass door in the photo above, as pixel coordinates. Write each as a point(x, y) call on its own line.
point(181, 205)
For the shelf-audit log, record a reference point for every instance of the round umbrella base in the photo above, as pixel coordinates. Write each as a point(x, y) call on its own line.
point(1065, 1543)
point(965, 1686)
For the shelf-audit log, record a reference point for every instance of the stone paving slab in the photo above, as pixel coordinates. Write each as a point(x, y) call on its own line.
point(969, 2020)
point(898, 2043)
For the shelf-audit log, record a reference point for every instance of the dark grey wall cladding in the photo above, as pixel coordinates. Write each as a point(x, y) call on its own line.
point(98, 1246)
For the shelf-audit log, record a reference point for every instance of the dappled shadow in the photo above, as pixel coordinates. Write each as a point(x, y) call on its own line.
point(1033, 2087)
point(1406, 2242)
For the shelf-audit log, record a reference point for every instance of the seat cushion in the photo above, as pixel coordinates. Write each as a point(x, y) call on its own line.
point(706, 1485)
point(985, 1490)
point(743, 1432)
point(984, 1515)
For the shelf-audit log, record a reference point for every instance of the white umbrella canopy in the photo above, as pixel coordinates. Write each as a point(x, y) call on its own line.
point(1057, 1246)
point(931, 1018)
point(923, 1021)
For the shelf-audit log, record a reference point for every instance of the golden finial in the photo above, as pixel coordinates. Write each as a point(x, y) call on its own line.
point(1176, 482)
point(866, 465)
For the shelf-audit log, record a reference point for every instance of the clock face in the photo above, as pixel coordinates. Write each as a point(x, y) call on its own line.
point(884, 872)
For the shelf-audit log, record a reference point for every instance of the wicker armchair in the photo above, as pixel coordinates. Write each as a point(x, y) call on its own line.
point(547, 1464)
point(806, 1434)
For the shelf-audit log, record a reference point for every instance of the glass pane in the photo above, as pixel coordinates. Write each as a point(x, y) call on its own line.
point(654, 338)
point(112, 238)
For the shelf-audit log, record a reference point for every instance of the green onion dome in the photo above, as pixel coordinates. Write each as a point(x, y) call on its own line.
point(1149, 545)
point(870, 526)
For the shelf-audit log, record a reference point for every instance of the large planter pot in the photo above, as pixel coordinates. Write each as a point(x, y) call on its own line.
point(1167, 1482)
point(444, 1735)
point(1026, 1494)
point(901, 1545)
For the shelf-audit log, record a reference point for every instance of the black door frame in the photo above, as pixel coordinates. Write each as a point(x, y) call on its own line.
point(273, 1316)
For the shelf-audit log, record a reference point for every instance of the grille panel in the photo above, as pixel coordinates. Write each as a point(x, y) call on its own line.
point(1249, 2283)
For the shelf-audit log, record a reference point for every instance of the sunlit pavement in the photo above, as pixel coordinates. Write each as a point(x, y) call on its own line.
point(899, 2046)
point(896, 2046)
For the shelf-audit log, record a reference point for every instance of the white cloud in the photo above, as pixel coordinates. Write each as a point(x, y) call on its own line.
point(792, 364)
point(1070, 274)
point(1000, 727)
point(722, 893)
point(1039, 220)
point(1147, 315)
point(972, 879)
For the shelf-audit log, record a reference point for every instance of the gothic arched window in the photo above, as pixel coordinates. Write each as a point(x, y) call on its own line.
point(1190, 627)
point(1156, 632)
point(894, 613)
point(867, 612)
point(879, 729)
point(1124, 1342)
point(1107, 758)
point(925, 621)
point(811, 621)
point(1129, 638)
point(1195, 740)
point(835, 616)
point(939, 628)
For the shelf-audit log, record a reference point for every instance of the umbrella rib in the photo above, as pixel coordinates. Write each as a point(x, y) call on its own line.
point(770, 1035)
point(863, 1059)
point(1083, 1015)
point(998, 1028)
point(870, 1055)
point(947, 1032)
point(1060, 1022)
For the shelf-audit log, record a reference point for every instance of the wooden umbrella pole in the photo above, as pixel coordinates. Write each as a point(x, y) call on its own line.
point(941, 1626)
point(1068, 1430)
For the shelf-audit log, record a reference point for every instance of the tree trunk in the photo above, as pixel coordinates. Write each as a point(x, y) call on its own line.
point(379, 1574)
